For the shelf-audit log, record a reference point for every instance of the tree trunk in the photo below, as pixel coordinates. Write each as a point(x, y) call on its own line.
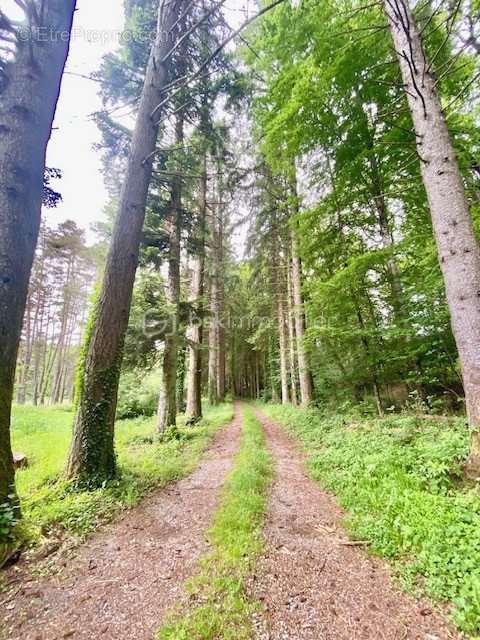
point(181, 369)
point(61, 345)
point(221, 353)
point(194, 374)
point(282, 340)
point(39, 323)
point(27, 354)
point(214, 328)
point(38, 356)
point(304, 372)
point(92, 452)
point(257, 376)
point(366, 346)
point(386, 238)
point(30, 89)
point(458, 250)
point(233, 363)
point(167, 404)
point(272, 368)
point(48, 365)
point(66, 361)
point(213, 347)
point(291, 340)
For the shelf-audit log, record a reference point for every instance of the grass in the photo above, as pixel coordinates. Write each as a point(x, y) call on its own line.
point(399, 479)
point(50, 504)
point(220, 605)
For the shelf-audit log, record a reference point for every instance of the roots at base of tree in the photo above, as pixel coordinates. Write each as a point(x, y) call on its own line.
point(472, 467)
point(9, 553)
point(90, 481)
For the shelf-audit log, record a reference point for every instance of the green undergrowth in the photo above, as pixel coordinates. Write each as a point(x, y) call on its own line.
point(220, 607)
point(400, 481)
point(52, 506)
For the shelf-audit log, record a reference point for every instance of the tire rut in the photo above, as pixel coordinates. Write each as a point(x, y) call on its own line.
point(311, 585)
point(122, 581)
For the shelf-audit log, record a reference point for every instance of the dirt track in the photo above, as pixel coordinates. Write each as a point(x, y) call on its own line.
point(123, 580)
point(312, 586)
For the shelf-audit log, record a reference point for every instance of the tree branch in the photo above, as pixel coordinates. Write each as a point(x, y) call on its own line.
point(206, 62)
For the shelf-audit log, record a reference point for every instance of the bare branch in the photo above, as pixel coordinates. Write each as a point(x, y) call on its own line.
point(211, 57)
point(447, 36)
point(193, 28)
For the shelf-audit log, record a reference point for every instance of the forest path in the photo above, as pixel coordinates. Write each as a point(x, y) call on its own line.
point(125, 578)
point(312, 586)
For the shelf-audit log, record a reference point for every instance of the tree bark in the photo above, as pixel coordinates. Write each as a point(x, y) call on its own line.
point(282, 339)
point(213, 344)
point(167, 404)
point(29, 92)
point(458, 250)
point(291, 339)
point(304, 373)
point(272, 368)
point(214, 327)
point(92, 453)
point(194, 373)
point(221, 354)
point(181, 370)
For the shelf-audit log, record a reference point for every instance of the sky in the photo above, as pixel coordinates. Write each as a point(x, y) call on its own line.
point(96, 32)
point(96, 28)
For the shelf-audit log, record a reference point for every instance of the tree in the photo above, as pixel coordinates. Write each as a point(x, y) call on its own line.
point(216, 339)
point(329, 100)
point(458, 249)
point(195, 333)
point(167, 404)
point(59, 289)
point(304, 373)
point(92, 454)
point(30, 77)
point(170, 173)
point(214, 317)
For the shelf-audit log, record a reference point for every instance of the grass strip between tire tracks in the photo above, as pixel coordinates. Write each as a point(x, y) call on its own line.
point(219, 606)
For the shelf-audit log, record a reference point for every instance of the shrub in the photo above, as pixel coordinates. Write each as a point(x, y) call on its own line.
point(135, 400)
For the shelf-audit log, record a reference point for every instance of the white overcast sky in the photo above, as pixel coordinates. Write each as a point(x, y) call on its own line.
point(97, 28)
point(97, 23)
point(96, 32)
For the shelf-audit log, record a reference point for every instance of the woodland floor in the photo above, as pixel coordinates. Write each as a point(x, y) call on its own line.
point(311, 582)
